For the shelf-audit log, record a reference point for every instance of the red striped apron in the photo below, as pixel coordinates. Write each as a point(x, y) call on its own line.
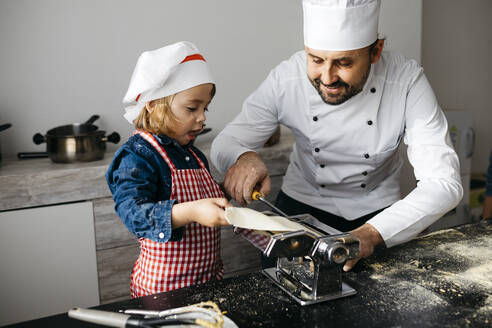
point(195, 259)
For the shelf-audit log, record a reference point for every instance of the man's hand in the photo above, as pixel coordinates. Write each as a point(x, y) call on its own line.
point(369, 237)
point(248, 172)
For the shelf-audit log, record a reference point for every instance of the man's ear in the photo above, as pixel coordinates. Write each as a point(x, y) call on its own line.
point(377, 51)
point(149, 106)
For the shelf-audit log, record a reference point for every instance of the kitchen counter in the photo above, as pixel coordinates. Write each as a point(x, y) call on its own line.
point(439, 280)
point(39, 182)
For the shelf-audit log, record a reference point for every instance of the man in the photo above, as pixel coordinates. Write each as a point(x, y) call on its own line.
point(348, 104)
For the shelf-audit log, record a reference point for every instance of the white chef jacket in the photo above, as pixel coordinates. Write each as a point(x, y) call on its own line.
point(345, 159)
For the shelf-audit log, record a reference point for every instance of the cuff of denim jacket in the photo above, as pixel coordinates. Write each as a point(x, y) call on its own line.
point(161, 216)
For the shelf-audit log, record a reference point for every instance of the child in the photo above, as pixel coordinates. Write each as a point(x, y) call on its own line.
point(160, 183)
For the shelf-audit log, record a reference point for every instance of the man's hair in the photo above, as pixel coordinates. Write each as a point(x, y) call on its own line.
point(371, 47)
point(161, 119)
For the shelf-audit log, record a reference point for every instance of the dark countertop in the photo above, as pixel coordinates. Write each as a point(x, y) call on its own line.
point(443, 279)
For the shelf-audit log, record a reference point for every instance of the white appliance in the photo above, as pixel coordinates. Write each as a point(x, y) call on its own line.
point(463, 138)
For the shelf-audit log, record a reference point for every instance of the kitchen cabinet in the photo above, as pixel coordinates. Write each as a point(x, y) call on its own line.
point(40, 186)
point(48, 261)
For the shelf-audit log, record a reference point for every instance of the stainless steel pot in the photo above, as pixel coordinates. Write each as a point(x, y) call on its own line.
point(74, 143)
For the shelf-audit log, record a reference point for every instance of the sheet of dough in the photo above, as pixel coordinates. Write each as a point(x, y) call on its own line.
point(247, 218)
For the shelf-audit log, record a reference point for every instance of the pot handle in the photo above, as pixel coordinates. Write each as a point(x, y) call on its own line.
point(31, 155)
point(92, 119)
point(5, 126)
point(113, 137)
point(38, 138)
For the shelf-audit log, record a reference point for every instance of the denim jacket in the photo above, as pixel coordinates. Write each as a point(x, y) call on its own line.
point(140, 181)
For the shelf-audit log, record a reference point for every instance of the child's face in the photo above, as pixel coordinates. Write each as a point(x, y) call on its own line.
point(189, 107)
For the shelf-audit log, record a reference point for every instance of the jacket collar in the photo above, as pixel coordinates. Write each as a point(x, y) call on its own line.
point(165, 140)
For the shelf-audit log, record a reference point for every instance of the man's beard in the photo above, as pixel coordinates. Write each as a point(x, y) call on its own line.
point(350, 90)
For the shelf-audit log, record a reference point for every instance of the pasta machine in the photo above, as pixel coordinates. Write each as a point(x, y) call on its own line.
point(309, 261)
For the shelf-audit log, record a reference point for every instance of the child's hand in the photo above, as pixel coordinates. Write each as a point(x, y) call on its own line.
point(209, 212)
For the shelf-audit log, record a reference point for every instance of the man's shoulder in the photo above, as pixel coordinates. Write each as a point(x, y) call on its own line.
point(298, 58)
point(292, 68)
point(398, 60)
point(398, 68)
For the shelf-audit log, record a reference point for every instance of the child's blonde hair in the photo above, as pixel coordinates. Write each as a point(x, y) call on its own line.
point(161, 119)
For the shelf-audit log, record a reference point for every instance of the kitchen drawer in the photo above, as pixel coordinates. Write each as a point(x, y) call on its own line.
point(48, 261)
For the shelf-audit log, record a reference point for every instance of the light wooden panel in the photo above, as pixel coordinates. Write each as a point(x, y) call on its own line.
point(110, 230)
point(114, 270)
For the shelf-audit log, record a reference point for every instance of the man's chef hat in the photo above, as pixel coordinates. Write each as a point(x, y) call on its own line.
point(340, 25)
point(164, 72)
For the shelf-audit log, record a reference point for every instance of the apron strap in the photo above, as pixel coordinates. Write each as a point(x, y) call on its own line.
point(200, 162)
point(150, 138)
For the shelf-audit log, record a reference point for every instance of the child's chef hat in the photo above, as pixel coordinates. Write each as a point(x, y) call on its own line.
point(164, 72)
point(340, 25)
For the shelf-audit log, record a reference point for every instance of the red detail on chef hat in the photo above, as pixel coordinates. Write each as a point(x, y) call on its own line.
point(193, 57)
point(136, 99)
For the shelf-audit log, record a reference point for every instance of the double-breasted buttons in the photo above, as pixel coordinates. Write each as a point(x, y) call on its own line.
point(322, 165)
point(366, 156)
point(322, 186)
point(369, 122)
point(364, 173)
point(362, 185)
point(316, 149)
point(373, 90)
point(315, 118)
point(187, 158)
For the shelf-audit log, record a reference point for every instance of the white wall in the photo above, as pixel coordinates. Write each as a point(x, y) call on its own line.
point(63, 60)
point(401, 22)
point(457, 54)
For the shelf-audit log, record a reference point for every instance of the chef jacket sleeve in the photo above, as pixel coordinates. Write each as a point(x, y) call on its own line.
point(249, 131)
point(132, 181)
point(436, 168)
